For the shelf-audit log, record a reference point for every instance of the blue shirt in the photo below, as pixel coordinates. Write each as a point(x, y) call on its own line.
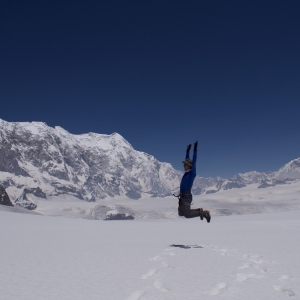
point(189, 176)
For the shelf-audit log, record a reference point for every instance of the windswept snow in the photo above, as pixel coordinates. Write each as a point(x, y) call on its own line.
point(236, 258)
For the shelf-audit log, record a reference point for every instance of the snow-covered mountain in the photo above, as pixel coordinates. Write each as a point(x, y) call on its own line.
point(287, 174)
point(291, 170)
point(88, 166)
point(40, 161)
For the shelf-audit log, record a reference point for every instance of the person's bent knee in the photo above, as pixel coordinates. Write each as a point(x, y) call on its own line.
point(184, 214)
point(181, 212)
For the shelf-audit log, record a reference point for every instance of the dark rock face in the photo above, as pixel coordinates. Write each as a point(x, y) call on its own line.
point(25, 203)
point(9, 159)
point(211, 192)
point(4, 198)
point(102, 212)
point(119, 217)
point(266, 183)
point(233, 185)
point(36, 192)
point(23, 200)
point(133, 195)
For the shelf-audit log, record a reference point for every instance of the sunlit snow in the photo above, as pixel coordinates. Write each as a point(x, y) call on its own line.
point(238, 257)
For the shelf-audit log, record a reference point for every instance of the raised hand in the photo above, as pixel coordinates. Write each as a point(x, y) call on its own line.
point(196, 146)
point(188, 148)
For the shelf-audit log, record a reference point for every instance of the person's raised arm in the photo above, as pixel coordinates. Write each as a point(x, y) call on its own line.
point(188, 151)
point(195, 158)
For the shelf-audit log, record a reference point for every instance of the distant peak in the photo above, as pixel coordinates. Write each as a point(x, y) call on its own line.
point(116, 134)
point(38, 123)
point(58, 128)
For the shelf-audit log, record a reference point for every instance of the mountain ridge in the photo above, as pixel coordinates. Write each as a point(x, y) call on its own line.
point(93, 166)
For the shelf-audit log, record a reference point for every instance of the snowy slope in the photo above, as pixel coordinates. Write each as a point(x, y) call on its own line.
point(59, 173)
point(247, 200)
point(88, 166)
point(290, 170)
point(235, 258)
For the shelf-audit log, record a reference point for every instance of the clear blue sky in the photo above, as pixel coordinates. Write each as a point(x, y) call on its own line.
point(162, 74)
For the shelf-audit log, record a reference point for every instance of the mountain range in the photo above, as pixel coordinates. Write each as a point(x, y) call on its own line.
point(42, 161)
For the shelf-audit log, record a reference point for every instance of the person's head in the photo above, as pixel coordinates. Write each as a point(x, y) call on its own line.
point(187, 164)
point(186, 167)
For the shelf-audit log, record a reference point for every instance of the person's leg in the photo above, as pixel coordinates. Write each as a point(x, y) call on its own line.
point(184, 209)
point(192, 213)
point(180, 212)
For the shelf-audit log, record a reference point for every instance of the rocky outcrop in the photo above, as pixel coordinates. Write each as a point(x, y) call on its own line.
point(24, 202)
point(118, 212)
point(94, 166)
point(37, 192)
point(118, 217)
point(4, 198)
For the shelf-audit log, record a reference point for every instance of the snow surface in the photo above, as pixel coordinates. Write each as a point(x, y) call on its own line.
point(238, 257)
point(247, 200)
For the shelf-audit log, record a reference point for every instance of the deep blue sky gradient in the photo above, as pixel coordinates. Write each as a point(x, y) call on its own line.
point(162, 74)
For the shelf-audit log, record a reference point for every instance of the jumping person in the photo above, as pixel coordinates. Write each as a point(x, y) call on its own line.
point(185, 197)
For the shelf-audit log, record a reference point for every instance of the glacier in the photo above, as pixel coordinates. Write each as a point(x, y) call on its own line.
point(95, 175)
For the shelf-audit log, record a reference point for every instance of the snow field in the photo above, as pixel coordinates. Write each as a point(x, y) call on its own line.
point(246, 200)
point(243, 257)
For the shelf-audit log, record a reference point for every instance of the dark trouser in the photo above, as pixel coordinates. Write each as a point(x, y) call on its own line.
point(184, 209)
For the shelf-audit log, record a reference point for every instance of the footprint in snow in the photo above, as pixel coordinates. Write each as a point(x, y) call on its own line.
point(149, 274)
point(257, 259)
point(136, 295)
point(249, 265)
point(166, 265)
point(222, 250)
point(285, 291)
point(160, 286)
point(218, 288)
point(263, 270)
point(155, 258)
point(245, 266)
point(170, 252)
point(241, 277)
point(284, 278)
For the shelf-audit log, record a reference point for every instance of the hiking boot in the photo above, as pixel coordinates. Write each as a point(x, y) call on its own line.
point(207, 215)
point(201, 213)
